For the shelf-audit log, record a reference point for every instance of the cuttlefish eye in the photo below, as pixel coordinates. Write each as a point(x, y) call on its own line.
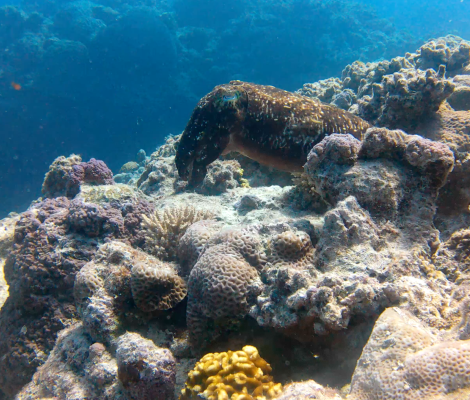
point(230, 98)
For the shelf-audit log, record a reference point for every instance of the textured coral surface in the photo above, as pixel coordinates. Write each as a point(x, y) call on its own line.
point(352, 279)
point(233, 375)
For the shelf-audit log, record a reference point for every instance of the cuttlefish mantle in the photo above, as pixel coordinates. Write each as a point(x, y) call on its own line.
point(269, 125)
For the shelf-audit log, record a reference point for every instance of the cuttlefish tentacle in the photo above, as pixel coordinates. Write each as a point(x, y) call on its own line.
point(269, 125)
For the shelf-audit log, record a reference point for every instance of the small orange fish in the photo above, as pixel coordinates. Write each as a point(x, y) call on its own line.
point(16, 86)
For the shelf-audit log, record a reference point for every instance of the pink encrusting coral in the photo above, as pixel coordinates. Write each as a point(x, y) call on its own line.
point(91, 172)
point(65, 176)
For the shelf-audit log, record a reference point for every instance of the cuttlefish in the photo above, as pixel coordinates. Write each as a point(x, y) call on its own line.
point(268, 125)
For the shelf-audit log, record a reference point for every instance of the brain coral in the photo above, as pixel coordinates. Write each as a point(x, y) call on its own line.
point(193, 241)
point(165, 228)
point(223, 281)
point(156, 286)
point(293, 249)
point(119, 284)
point(401, 360)
point(234, 375)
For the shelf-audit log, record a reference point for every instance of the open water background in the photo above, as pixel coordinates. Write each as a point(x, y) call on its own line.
point(104, 79)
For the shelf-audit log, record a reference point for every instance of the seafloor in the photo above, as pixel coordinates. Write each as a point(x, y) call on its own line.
point(350, 278)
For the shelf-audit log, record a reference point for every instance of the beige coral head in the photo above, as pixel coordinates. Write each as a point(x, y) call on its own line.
point(292, 245)
point(156, 286)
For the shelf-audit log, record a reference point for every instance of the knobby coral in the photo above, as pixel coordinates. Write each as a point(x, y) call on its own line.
point(234, 375)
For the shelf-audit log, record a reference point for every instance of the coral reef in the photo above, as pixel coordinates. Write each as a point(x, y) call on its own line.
point(451, 51)
point(79, 368)
point(145, 371)
point(325, 90)
point(52, 242)
point(65, 176)
point(103, 289)
point(93, 220)
point(343, 155)
point(165, 228)
point(404, 91)
point(221, 176)
point(91, 172)
point(459, 100)
point(269, 125)
point(41, 268)
point(156, 287)
point(76, 368)
point(223, 281)
point(404, 98)
point(193, 241)
point(112, 293)
point(160, 171)
point(291, 249)
point(7, 233)
point(239, 374)
point(130, 166)
point(57, 178)
point(308, 390)
point(452, 128)
point(403, 358)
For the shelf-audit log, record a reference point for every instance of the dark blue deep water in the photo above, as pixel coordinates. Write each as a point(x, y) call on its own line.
point(104, 79)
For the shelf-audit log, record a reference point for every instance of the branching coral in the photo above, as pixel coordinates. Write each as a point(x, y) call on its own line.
point(165, 228)
point(234, 375)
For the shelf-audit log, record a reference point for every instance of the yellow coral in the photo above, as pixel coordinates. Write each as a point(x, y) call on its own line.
point(232, 375)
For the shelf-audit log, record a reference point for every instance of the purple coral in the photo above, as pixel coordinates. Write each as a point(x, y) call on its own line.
point(146, 372)
point(93, 171)
point(94, 220)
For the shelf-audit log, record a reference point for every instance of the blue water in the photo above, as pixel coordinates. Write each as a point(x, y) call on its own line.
point(104, 79)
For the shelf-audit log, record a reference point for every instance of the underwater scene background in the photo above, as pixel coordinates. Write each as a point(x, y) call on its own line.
point(106, 79)
point(234, 200)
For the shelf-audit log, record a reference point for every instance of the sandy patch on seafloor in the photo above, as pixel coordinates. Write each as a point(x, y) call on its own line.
point(7, 230)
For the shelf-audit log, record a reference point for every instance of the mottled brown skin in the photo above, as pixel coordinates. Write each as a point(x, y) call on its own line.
point(269, 125)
